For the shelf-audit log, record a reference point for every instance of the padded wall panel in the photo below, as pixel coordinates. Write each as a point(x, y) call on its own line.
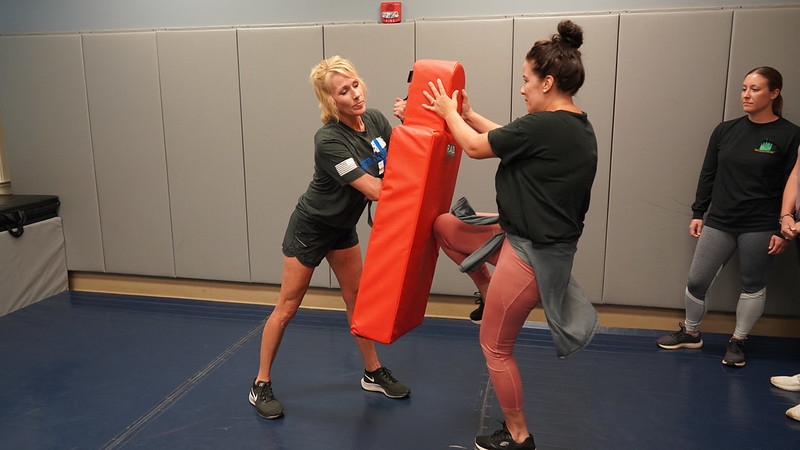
point(383, 55)
point(203, 135)
point(47, 140)
point(279, 119)
point(596, 98)
point(484, 48)
point(747, 52)
point(130, 160)
point(670, 94)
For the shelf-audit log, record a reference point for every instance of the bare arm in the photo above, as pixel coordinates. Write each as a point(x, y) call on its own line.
point(788, 225)
point(476, 121)
point(475, 144)
point(368, 185)
point(399, 109)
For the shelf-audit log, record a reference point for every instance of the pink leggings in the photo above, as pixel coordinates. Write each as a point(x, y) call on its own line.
point(513, 293)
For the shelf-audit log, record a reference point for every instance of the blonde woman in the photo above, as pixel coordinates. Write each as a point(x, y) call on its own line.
point(350, 151)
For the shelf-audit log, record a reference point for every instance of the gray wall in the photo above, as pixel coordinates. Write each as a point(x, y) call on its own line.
point(47, 16)
point(181, 153)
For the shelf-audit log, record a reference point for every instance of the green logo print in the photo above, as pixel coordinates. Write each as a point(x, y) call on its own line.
point(766, 147)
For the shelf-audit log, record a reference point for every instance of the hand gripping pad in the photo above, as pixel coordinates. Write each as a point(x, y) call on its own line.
point(418, 184)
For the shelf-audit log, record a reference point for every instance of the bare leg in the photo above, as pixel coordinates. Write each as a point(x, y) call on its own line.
point(515, 422)
point(346, 265)
point(294, 285)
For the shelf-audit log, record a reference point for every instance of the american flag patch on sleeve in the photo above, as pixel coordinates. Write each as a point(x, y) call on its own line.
point(346, 166)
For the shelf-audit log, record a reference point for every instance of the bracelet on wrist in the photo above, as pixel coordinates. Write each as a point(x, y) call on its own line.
point(785, 215)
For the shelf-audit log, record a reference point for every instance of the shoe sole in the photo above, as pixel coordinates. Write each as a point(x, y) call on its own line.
point(791, 384)
point(682, 345)
point(378, 388)
point(790, 388)
point(733, 364)
point(478, 446)
point(476, 322)
point(253, 402)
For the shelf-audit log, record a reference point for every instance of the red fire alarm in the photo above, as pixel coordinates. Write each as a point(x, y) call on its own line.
point(391, 12)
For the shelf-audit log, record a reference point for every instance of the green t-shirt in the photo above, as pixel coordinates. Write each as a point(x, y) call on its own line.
point(342, 155)
point(544, 180)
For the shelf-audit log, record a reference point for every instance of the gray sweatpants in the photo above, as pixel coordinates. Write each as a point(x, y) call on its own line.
point(714, 249)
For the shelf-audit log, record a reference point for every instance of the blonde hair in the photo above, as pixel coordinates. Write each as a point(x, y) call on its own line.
point(320, 77)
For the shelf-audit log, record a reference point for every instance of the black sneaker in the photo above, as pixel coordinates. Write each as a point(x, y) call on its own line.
point(680, 339)
point(267, 406)
point(501, 439)
point(477, 315)
point(734, 356)
point(382, 380)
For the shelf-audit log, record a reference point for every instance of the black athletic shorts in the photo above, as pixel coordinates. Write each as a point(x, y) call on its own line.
point(310, 241)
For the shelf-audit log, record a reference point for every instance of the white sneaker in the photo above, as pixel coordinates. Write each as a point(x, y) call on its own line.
point(787, 383)
point(794, 413)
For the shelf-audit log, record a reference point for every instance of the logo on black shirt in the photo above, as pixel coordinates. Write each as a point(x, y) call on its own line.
point(379, 148)
point(766, 147)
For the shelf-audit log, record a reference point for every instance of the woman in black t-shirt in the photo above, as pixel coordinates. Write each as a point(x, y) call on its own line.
point(349, 155)
point(737, 207)
point(548, 160)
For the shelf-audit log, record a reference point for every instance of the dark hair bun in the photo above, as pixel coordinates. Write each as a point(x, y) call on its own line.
point(570, 33)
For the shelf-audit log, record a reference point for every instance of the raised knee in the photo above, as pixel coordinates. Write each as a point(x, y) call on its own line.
point(442, 223)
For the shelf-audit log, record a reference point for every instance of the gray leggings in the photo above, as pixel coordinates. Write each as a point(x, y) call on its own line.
point(714, 249)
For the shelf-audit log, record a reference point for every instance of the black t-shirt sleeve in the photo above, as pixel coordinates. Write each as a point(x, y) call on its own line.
point(513, 141)
point(708, 173)
point(336, 160)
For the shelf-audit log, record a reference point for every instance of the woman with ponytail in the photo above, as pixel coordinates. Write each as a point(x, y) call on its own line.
point(738, 206)
point(548, 160)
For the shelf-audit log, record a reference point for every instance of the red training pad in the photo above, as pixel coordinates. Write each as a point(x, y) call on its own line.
point(418, 185)
point(452, 75)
